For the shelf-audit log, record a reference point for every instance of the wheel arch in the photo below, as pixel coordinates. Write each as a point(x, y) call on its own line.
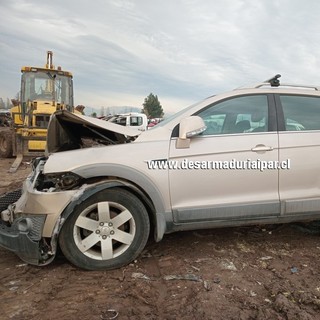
point(156, 219)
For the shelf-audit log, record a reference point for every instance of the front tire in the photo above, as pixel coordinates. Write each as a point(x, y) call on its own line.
point(106, 231)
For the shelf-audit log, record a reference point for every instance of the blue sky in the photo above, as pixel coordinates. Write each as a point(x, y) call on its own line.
point(185, 50)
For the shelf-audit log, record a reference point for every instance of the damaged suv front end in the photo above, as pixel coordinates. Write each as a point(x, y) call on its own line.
point(30, 235)
point(31, 218)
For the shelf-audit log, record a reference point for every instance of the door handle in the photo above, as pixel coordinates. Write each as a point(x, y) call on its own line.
point(261, 148)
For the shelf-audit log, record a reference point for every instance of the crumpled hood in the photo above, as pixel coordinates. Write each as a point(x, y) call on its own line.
point(69, 131)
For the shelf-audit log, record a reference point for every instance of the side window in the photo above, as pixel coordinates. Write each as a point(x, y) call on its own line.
point(301, 112)
point(135, 121)
point(238, 115)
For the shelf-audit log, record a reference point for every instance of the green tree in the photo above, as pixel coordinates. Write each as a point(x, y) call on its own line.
point(152, 107)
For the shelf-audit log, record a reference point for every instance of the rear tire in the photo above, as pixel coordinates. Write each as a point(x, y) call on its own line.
point(6, 139)
point(106, 231)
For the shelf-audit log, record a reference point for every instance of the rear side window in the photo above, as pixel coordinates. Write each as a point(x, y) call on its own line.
point(135, 121)
point(301, 112)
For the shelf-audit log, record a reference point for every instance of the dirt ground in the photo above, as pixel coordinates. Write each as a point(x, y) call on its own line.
point(269, 272)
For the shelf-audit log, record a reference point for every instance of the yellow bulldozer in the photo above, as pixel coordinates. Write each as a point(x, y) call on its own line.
point(43, 91)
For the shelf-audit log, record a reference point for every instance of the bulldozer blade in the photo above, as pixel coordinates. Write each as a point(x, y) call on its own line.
point(16, 163)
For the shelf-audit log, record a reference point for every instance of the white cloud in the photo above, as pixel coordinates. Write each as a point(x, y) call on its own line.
point(119, 51)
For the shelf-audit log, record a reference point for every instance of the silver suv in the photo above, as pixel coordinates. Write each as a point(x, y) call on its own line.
point(249, 156)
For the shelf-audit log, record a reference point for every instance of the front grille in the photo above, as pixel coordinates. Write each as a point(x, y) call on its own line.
point(9, 198)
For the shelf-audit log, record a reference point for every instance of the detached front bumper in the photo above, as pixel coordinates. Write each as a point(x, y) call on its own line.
point(24, 234)
point(23, 238)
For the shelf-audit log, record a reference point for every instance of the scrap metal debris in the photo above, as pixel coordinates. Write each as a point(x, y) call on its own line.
point(189, 276)
point(139, 275)
point(109, 314)
point(228, 265)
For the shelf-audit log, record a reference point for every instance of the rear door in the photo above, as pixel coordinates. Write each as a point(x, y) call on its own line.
point(299, 141)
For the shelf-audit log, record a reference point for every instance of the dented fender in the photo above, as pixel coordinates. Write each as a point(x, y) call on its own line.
point(87, 191)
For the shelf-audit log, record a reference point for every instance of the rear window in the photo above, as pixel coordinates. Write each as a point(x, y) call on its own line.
point(301, 112)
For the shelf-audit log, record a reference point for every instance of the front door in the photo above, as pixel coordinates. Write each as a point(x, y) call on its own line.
point(223, 174)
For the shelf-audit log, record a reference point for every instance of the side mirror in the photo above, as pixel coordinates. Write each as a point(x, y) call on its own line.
point(189, 127)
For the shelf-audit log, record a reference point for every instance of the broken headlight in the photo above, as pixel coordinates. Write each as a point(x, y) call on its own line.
point(58, 181)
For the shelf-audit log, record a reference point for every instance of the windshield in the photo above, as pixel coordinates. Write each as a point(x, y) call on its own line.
point(176, 115)
point(47, 85)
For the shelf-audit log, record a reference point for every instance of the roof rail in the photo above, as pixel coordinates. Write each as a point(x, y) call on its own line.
point(275, 82)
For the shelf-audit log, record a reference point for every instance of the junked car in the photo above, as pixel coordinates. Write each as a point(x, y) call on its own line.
point(232, 159)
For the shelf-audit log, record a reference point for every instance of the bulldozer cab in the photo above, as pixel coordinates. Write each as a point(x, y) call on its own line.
point(42, 93)
point(44, 90)
point(46, 85)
